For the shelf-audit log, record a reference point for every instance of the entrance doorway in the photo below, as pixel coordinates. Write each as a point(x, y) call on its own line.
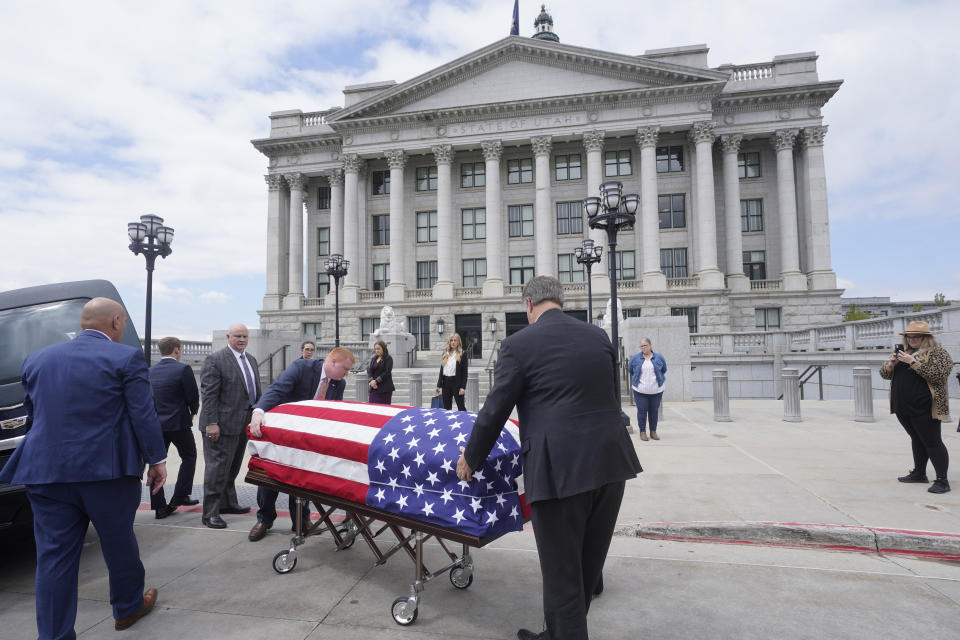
point(515, 322)
point(470, 328)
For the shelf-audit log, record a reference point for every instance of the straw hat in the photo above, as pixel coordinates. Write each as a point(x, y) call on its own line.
point(917, 327)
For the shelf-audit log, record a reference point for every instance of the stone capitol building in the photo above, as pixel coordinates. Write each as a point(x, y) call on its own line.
point(448, 191)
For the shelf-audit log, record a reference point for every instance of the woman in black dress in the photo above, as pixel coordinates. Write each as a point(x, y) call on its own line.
point(380, 371)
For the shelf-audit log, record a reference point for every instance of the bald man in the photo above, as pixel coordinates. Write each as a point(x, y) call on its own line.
point(93, 426)
point(229, 387)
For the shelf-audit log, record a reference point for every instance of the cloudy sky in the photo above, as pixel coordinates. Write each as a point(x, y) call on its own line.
point(110, 110)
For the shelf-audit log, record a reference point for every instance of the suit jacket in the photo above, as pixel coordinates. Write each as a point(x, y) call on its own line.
point(175, 394)
point(382, 373)
point(559, 373)
point(299, 381)
point(92, 414)
point(224, 393)
point(460, 376)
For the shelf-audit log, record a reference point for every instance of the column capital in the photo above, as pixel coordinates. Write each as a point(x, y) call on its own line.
point(336, 177)
point(813, 137)
point(492, 149)
point(305, 195)
point(352, 163)
point(443, 153)
point(730, 143)
point(783, 139)
point(593, 140)
point(295, 180)
point(541, 145)
point(273, 181)
point(647, 136)
point(396, 158)
point(702, 132)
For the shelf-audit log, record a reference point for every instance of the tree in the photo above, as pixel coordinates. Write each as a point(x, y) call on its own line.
point(854, 313)
point(917, 308)
point(940, 300)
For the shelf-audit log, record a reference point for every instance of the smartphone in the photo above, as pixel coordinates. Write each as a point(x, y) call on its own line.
point(898, 347)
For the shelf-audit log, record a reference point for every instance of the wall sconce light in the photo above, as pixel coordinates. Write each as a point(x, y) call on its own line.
point(493, 324)
point(440, 326)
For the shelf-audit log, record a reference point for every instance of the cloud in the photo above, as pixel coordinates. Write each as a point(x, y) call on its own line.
point(215, 297)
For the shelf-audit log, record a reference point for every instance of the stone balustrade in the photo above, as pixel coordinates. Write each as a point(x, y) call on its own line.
point(683, 283)
point(761, 71)
point(766, 285)
point(313, 302)
point(369, 296)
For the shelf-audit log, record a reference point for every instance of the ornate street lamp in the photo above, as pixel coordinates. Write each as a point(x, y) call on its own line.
point(336, 267)
point(589, 255)
point(152, 239)
point(612, 211)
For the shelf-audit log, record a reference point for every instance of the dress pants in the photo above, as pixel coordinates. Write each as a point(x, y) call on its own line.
point(186, 446)
point(451, 392)
point(573, 535)
point(267, 513)
point(62, 513)
point(222, 460)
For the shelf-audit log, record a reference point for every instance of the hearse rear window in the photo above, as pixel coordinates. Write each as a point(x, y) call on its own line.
point(25, 329)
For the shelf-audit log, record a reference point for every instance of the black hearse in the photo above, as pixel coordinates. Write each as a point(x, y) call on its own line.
point(32, 318)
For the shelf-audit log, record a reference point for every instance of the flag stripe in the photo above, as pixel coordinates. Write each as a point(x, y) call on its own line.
point(321, 426)
point(323, 409)
point(339, 447)
point(311, 481)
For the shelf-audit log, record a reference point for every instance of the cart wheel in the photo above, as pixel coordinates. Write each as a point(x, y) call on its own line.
point(461, 578)
point(404, 612)
point(349, 537)
point(285, 561)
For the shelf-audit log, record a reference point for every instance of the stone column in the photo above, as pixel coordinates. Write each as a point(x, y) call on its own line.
point(396, 290)
point(706, 212)
point(295, 278)
point(493, 286)
point(336, 211)
point(791, 395)
point(821, 274)
point(351, 223)
point(793, 279)
point(862, 394)
point(721, 395)
point(736, 280)
point(273, 295)
point(443, 154)
point(593, 145)
point(653, 278)
point(544, 229)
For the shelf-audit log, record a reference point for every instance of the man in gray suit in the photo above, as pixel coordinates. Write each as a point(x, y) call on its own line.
point(229, 387)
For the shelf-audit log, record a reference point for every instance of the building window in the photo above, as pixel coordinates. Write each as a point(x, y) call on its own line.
point(631, 313)
point(690, 312)
point(521, 269)
point(520, 218)
point(616, 163)
point(568, 269)
point(368, 326)
point(419, 326)
point(768, 319)
point(426, 274)
point(672, 211)
point(426, 226)
point(755, 265)
point(381, 230)
point(569, 217)
point(427, 178)
point(312, 330)
point(748, 164)
point(626, 267)
point(323, 285)
point(669, 159)
point(323, 197)
point(751, 215)
point(673, 262)
point(380, 183)
point(381, 276)
point(474, 272)
point(474, 224)
point(323, 241)
point(520, 171)
point(567, 167)
point(473, 174)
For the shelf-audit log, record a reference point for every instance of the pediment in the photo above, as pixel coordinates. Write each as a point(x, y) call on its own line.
point(520, 69)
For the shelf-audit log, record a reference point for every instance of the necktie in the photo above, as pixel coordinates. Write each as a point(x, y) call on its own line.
point(322, 391)
point(251, 387)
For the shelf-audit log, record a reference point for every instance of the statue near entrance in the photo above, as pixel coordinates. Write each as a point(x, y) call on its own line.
point(608, 319)
point(400, 343)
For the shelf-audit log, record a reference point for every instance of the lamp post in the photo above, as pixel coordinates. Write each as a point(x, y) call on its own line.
point(589, 255)
point(612, 211)
point(337, 268)
point(152, 239)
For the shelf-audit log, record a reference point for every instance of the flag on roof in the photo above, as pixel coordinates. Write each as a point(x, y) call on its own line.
point(515, 25)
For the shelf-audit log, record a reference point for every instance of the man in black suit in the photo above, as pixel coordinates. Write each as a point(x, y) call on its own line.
point(176, 398)
point(304, 379)
point(229, 386)
point(559, 372)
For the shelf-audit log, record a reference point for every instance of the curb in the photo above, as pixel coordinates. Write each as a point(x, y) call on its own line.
point(832, 537)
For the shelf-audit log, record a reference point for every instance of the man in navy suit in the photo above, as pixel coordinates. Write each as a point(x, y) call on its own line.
point(304, 379)
point(176, 397)
point(93, 425)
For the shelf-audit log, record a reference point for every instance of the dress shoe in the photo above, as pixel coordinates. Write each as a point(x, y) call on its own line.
point(653, 434)
point(526, 634)
point(940, 485)
point(914, 476)
point(183, 501)
point(164, 511)
point(214, 522)
point(258, 531)
point(235, 510)
point(149, 599)
point(643, 436)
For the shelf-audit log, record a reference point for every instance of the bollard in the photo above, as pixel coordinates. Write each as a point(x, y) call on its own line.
point(362, 381)
point(472, 400)
point(791, 395)
point(862, 395)
point(415, 380)
point(721, 396)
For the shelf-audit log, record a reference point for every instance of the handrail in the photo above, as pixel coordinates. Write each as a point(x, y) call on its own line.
point(492, 360)
point(269, 361)
point(809, 372)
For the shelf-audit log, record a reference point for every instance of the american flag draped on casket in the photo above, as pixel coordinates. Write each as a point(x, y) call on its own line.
point(399, 459)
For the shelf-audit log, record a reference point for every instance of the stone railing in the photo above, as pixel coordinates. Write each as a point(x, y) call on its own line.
point(468, 292)
point(415, 294)
point(574, 287)
point(683, 283)
point(512, 289)
point(313, 302)
point(765, 284)
point(191, 351)
point(760, 71)
point(314, 119)
point(629, 284)
point(368, 296)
